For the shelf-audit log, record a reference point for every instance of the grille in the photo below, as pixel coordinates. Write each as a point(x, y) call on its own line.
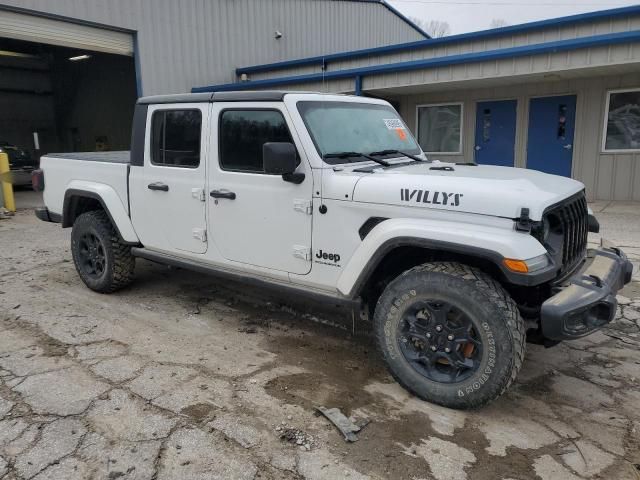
point(571, 219)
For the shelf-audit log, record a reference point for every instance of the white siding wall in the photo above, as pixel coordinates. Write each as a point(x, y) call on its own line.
point(187, 43)
point(606, 176)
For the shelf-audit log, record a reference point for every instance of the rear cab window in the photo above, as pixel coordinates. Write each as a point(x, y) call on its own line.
point(176, 138)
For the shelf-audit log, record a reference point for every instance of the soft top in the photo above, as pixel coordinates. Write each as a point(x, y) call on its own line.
point(237, 96)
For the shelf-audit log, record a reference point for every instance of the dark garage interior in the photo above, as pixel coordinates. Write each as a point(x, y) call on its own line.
point(58, 99)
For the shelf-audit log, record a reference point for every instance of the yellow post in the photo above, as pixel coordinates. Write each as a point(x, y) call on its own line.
point(5, 180)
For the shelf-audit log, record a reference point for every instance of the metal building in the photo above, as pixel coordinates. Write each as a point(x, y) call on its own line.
point(560, 95)
point(71, 70)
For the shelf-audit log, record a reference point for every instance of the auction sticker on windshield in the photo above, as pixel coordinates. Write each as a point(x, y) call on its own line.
point(393, 123)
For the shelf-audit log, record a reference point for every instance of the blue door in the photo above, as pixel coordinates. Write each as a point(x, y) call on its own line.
point(551, 127)
point(495, 133)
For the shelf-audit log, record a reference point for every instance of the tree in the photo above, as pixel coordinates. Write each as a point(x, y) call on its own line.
point(435, 28)
point(498, 22)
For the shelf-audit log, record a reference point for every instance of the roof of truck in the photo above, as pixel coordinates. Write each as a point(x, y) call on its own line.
point(232, 96)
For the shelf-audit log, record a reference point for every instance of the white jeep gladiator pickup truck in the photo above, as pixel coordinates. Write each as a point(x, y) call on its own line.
point(330, 196)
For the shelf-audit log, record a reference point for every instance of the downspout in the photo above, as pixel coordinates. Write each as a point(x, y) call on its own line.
point(358, 86)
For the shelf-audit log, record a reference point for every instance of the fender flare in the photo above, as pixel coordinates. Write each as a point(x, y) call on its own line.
point(111, 204)
point(486, 242)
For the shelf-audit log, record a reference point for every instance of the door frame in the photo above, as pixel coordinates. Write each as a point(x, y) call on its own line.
point(214, 253)
point(575, 126)
point(148, 168)
point(515, 137)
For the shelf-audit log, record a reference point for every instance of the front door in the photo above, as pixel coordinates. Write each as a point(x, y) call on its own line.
point(495, 133)
point(167, 193)
point(551, 127)
point(255, 218)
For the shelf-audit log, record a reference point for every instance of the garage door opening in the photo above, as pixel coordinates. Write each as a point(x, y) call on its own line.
point(61, 99)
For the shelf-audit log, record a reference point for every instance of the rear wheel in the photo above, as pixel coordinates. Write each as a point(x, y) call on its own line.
point(104, 263)
point(450, 334)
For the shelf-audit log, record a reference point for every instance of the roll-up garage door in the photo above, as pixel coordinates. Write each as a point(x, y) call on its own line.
point(50, 31)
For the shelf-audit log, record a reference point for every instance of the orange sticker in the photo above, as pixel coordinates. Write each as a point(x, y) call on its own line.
point(401, 133)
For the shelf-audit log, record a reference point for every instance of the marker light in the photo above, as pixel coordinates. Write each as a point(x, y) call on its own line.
point(518, 266)
point(527, 266)
point(80, 57)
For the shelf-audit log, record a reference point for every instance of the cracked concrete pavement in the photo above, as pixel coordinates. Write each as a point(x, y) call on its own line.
point(183, 376)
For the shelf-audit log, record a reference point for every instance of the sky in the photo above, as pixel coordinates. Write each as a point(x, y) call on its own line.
point(470, 15)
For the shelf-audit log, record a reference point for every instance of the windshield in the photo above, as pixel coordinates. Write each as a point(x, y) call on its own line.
point(356, 127)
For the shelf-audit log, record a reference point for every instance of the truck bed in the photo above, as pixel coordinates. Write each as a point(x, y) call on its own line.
point(106, 172)
point(107, 157)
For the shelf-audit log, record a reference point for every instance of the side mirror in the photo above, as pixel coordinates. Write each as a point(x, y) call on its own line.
point(281, 158)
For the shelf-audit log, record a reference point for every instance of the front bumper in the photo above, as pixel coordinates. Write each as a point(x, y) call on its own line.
point(587, 300)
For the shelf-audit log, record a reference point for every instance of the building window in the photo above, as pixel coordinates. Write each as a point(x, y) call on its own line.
point(175, 138)
point(440, 128)
point(622, 123)
point(244, 132)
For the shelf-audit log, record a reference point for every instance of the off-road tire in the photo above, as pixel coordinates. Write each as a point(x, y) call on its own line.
point(489, 307)
point(119, 263)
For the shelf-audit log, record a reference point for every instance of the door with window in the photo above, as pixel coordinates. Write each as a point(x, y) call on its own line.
point(495, 133)
point(551, 127)
point(168, 199)
point(256, 218)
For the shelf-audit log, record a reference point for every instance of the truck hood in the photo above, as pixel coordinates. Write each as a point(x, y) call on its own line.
point(481, 189)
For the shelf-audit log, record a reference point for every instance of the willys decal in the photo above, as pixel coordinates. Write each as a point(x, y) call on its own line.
point(427, 196)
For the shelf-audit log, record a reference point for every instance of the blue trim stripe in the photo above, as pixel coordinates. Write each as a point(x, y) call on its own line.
point(484, 34)
point(526, 50)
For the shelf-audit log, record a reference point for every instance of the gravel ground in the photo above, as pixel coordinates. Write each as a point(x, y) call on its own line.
point(182, 376)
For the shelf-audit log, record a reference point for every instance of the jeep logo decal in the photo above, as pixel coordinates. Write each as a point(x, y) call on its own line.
point(328, 256)
point(434, 198)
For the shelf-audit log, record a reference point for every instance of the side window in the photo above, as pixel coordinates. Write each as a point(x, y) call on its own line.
point(175, 138)
point(242, 134)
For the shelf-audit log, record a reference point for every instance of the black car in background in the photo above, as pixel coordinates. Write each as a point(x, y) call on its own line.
point(21, 163)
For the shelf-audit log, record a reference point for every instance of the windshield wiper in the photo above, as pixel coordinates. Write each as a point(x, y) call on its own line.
point(391, 152)
point(355, 154)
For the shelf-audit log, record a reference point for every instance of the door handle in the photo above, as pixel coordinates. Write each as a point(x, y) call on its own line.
point(158, 186)
point(568, 146)
point(478, 147)
point(222, 194)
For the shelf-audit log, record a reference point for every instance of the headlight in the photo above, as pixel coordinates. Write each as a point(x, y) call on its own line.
point(538, 263)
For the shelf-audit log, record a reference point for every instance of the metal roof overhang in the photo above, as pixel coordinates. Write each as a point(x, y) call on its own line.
point(434, 42)
point(497, 54)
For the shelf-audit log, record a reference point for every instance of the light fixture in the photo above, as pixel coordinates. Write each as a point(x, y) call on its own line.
point(80, 57)
point(7, 53)
point(278, 35)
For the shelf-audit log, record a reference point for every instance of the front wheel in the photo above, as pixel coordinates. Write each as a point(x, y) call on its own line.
point(450, 334)
point(104, 263)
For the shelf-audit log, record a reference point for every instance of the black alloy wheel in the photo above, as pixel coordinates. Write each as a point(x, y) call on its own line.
point(92, 255)
point(439, 341)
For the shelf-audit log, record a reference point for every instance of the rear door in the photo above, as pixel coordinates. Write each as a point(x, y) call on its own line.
point(255, 218)
point(495, 133)
point(167, 194)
